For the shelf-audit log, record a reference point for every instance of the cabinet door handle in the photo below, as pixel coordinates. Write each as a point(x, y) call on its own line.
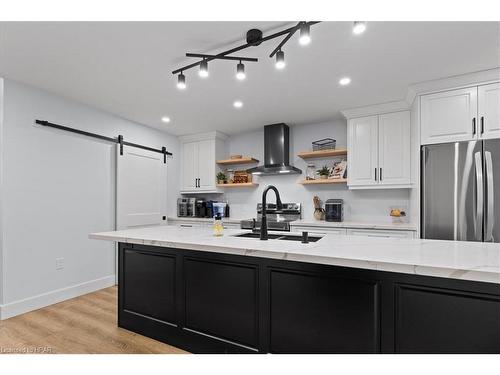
point(482, 124)
point(375, 174)
point(380, 174)
point(199, 182)
point(473, 126)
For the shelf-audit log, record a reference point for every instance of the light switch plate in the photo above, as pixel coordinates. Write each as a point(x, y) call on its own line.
point(59, 263)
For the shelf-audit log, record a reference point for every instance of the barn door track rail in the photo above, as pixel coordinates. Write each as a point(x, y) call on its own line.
point(119, 140)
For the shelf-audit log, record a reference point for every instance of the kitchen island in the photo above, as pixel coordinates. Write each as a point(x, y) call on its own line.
point(340, 294)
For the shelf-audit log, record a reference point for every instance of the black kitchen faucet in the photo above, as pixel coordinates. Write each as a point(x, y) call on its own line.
point(279, 206)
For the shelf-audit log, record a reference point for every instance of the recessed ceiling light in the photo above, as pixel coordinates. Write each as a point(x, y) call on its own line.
point(165, 119)
point(359, 27)
point(345, 81)
point(238, 104)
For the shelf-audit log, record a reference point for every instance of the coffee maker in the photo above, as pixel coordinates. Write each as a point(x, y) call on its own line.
point(200, 207)
point(186, 207)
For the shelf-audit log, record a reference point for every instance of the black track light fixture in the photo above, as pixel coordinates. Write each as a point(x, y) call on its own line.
point(203, 69)
point(240, 71)
point(280, 59)
point(305, 34)
point(254, 38)
point(181, 81)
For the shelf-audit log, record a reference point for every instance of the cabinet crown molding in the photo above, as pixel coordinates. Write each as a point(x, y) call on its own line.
point(203, 137)
point(453, 82)
point(426, 87)
point(376, 109)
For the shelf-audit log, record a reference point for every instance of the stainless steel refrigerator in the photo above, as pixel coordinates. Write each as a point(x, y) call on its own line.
point(461, 191)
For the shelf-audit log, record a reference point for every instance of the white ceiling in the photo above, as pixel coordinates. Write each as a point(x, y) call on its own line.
point(125, 68)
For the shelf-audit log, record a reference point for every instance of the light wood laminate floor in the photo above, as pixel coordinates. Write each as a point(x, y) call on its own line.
point(86, 324)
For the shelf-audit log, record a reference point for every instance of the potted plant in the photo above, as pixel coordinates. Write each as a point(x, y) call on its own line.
point(323, 172)
point(221, 178)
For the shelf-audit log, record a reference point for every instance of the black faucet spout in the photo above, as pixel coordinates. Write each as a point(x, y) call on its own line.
point(279, 206)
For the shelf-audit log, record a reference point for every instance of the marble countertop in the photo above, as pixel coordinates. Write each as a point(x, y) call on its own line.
point(354, 224)
point(474, 261)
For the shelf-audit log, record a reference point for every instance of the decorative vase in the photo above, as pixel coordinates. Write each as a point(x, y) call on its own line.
point(323, 177)
point(318, 213)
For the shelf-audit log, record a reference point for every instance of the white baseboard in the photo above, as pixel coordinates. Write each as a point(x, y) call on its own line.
point(45, 299)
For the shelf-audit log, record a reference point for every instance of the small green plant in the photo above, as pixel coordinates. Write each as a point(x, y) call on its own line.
point(325, 171)
point(221, 176)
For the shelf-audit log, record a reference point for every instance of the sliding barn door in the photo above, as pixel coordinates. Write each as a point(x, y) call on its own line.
point(141, 188)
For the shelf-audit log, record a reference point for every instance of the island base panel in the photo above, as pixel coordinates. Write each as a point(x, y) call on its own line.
point(207, 302)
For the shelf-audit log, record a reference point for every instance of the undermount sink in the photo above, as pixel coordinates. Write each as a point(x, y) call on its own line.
point(285, 237)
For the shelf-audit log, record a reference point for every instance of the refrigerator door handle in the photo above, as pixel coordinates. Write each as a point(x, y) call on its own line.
point(490, 219)
point(479, 197)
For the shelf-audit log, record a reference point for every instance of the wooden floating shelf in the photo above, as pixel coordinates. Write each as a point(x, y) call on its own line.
point(237, 161)
point(246, 184)
point(323, 182)
point(322, 153)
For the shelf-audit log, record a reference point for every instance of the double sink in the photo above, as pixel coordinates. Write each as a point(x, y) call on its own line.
point(285, 237)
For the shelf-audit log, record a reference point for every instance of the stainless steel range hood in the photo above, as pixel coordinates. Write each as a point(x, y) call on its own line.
point(276, 152)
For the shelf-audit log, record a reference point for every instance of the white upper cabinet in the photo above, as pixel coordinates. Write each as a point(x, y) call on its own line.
point(198, 167)
point(206, 164)
point(379, 151)
point(393, 148)
point(363, 151)
point(489, 110)
point(189, 166)
point(449, 116)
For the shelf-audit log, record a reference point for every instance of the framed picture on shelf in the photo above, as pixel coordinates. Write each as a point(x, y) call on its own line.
point(339, 169)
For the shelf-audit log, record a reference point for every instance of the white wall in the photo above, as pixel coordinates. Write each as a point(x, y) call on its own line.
point(57, 188)
point(415, 163)
point(1, 195)
point(361, 205)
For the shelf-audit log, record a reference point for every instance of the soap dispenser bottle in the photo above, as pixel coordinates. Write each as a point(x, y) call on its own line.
point(218, 227)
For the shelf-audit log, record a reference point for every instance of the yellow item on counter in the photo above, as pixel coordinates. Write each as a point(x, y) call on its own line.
point(218, 227)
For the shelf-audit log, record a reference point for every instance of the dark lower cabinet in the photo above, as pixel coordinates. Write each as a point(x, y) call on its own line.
point(221, 299)
point(314, 313)
point(435, 320)
point(219, 303)
point(149, 285)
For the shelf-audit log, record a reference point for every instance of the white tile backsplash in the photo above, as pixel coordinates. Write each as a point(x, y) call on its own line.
point(359, 205)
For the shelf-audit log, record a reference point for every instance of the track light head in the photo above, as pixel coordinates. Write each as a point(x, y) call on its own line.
point(280, 59)
point(203, 69)
point(359, 27)
point(240, 71)
point(181, 81)
point(305, 34)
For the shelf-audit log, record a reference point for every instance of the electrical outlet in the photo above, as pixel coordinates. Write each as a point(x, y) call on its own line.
point(59, 263)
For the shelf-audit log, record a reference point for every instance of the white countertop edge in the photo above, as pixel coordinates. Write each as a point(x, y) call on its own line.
point(461, 274)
